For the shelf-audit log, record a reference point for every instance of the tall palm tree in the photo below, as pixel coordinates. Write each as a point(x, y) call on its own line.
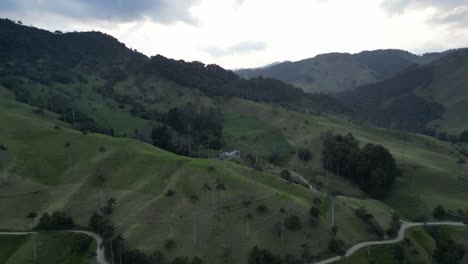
point(282, 212)
point(120, 245)
point(246, 204)
point(32, 216)
point(101, 178)
point(194, 200)
point(220, 187)
point(171, 194)
point(68, 146)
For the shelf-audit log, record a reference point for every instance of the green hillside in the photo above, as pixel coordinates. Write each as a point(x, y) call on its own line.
point(431, 174)
point(53, 247)
point(38, 177)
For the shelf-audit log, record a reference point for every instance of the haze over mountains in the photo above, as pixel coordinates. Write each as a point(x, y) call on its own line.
point(338, 72)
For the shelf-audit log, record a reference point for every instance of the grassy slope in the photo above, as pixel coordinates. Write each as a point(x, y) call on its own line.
point(138, 175)
point(430, 173)
point(51, 248)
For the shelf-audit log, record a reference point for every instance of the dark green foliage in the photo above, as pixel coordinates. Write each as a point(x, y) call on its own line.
point(440, 212)
point(293, 223)
point(373, 226)
point(101, 225)
point(447, 251)
point(373, 168)
point(56, 221)
point(464, 136)
point(263, 256)
point(392, 103)
point(395, 225)
point(304, 154)
point(286, 175)
point(170, 244)
point(261, 209)
point(314, 212)
point(274, 158)
point(197, 126)
point(336, 246)
point(135, 256)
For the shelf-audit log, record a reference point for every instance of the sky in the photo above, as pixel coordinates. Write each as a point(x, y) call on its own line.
point(252, 33)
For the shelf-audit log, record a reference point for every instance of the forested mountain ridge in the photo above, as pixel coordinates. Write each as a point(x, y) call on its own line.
point(338, 72)
point(428, 98)
point(96, 83)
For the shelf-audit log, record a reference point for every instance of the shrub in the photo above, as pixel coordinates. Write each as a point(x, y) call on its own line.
point(261, 209)
point(439, 212)
point(293, 223)
point(56, 221)
point(314, 212)
point(336, 246)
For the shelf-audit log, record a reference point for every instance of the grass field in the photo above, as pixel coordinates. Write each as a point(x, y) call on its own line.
point(430, 173)
point(41, 178)
point(55, 247)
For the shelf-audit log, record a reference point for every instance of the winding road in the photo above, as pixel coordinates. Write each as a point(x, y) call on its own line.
point(100, 258)
point(401, 235)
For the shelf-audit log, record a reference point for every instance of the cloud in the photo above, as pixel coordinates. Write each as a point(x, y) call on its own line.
point(162, 11)
point(238, 48)
point(452, 12)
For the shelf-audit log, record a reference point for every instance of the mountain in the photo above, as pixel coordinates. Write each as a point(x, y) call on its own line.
point(79, 109)
point(97, 84)
point(431, 97)
point(338, 72)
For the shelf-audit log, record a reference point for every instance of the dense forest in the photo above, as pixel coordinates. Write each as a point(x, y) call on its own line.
point(393, 103)
point(373, 167)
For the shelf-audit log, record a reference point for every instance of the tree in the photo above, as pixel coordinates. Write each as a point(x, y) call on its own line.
point(439, 212)
point(220, 187)
point(101, 179)
point(120, 246)
point(282, 213)
point(32, 216)
point(461, 162)
point(246, 204)
point(315, 212)
point(68, 146)
point(171, 194)
point(194, 200)
point(464, 136)
point(4, 149)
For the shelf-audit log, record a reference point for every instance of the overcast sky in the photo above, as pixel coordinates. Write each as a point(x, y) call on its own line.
point(251, 33)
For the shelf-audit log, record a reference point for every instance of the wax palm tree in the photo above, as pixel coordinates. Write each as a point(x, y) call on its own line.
point(220, 187)
point(32, 216)
point(194, 199)
point(120, 245)
point(282, 212)
point(170, 194)
point(102, 179)
point(246, 204)
point(68, 146)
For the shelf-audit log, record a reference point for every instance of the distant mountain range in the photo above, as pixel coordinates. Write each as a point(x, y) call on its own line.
point(338, 72)
point(433, 96)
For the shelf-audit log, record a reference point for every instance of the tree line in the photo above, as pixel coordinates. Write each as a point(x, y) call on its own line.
point(373, 167)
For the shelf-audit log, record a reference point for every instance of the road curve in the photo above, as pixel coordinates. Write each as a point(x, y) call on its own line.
point(401, 235)
point(100, 257)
